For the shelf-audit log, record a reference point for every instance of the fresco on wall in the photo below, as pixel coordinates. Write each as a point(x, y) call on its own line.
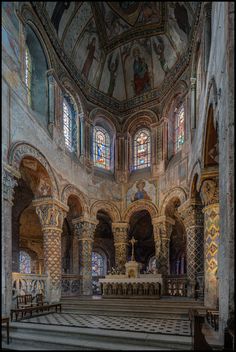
point(10, 44)
point(150, 12)
point(76, 27)
point(114, 25)
point(89, 57)
point(67, 16)
point(10, 7)
point(141, 190)
point(59, 9)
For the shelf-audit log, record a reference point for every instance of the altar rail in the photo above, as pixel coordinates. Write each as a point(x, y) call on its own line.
point(70, 285)
point(29, 284)
point(175, 286)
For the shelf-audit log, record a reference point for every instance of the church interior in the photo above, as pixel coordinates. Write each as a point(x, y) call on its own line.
point(118, 175)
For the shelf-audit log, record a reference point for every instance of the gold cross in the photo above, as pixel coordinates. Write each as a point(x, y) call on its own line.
point(132, 241)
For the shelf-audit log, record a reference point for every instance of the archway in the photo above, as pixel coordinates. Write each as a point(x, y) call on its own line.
point(142, 230)
point(103, 246)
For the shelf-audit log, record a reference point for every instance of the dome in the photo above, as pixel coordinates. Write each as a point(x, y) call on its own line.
point(122, 53)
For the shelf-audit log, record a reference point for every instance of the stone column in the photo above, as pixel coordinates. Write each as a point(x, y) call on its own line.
point(162, 230)
point(191, 214)
point(210, 197)
point(51, 213)
point(85, 229)
point(9, 182)
point(75, 249)
point(120, 234)
point(193, 81)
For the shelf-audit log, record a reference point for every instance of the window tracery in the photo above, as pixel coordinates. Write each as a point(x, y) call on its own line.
point(179, 128)
point(28, 73)
point(98, 264)
point(69, 124)
point(25, 262)
point(102, 148)
point(142, 149)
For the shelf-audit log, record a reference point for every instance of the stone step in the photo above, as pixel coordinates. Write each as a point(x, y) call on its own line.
point(48, 337)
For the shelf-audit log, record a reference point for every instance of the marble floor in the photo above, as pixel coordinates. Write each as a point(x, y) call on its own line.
point(136, 324)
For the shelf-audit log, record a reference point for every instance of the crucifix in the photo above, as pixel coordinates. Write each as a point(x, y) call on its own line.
point(132, 241)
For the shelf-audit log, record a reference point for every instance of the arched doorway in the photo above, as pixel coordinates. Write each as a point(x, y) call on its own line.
point(142, 230)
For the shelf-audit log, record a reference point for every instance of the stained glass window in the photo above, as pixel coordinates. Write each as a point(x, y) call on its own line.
point(25, 263)
point(102, 148)
point(179, 128)
point(142, 149)
point(28, 74)
point(69, 124)
point(97, 264)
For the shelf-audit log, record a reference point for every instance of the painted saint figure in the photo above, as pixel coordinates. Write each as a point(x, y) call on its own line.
point(89, 60)
point(159, 49)
point(141, 193)
point(141, 74)
point(112, 66)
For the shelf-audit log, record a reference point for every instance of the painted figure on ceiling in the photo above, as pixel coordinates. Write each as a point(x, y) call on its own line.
point(181, 17)
point(58, 11)
point(141, 73)
point(112, 66)
point(150, 12)
point(89, 60)
point(159, 49)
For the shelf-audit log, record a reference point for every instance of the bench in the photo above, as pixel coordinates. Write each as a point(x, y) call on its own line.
point(198, 338)
point(36, 308)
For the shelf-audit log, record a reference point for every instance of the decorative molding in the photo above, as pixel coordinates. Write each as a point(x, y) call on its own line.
point(9, 182)
point(19, 150)
point(139, 205)
point(210, 192)
point(108, 207)
point(177, 192)
point(69, 190)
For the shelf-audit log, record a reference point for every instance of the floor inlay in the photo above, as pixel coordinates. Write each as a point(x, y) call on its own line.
point(148, 325)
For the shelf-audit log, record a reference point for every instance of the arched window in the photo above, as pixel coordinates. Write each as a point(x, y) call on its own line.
point(25, 262)
point(179, 128)
point(142, 149)
point(69, 123)
point(101, 148)
point(28, 73)
point(98, 264)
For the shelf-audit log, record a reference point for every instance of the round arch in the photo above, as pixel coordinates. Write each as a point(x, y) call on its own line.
point(108, 207)
point(177, 192)
point(70, 190)
point(19, 150)
point(139, 205)
point(138, 120)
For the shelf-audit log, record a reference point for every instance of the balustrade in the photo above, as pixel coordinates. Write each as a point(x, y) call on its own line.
point(29, 284)
point(70, 284)
point(176, 286)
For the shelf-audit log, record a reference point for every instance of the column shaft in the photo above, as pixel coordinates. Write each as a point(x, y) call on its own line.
point(121, 243)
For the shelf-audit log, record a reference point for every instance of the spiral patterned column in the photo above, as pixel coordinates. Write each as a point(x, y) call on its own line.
point(162, 230)
point(121, 244)
point(210, 196)
point(191, 214)
point(85, 231)
point(51, 214)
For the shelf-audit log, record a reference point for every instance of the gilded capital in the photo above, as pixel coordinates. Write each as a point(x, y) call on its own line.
point(9, 182)
point(51, 212)
point(84, 230)
point(190, 213)
point(120, 232)
point(210, 192)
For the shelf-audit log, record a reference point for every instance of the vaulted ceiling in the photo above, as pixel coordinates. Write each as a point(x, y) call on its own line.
point(128, 52)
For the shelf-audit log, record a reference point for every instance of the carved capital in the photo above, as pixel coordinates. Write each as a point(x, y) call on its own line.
point(84, 230)
point(120, 232)
point(191, 213)
point(51, 213)
point(210, 192)
point(9, 182)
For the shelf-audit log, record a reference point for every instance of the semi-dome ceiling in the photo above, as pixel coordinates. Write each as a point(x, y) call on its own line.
point(124, 49)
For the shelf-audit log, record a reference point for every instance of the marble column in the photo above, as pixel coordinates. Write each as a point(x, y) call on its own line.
point(51, 213)
point(193, 81)
point(9, 182)
point(85, 231)
point(162, 227)
point(120, 234)
point(191, 214)
point(210, 197)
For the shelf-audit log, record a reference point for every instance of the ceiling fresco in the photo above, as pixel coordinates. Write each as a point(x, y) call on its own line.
point(124, 49)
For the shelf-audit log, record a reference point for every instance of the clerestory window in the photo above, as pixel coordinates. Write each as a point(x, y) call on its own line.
point(101, 148)
point(142, 149)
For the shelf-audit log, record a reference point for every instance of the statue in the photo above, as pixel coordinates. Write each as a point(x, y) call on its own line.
point(132, 241)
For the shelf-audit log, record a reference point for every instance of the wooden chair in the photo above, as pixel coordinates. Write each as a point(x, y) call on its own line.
point(22, 302)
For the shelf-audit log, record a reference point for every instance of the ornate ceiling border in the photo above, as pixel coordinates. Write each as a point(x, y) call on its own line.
point(98, 98)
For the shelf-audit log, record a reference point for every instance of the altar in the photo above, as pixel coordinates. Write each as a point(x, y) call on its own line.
point(132, 284)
